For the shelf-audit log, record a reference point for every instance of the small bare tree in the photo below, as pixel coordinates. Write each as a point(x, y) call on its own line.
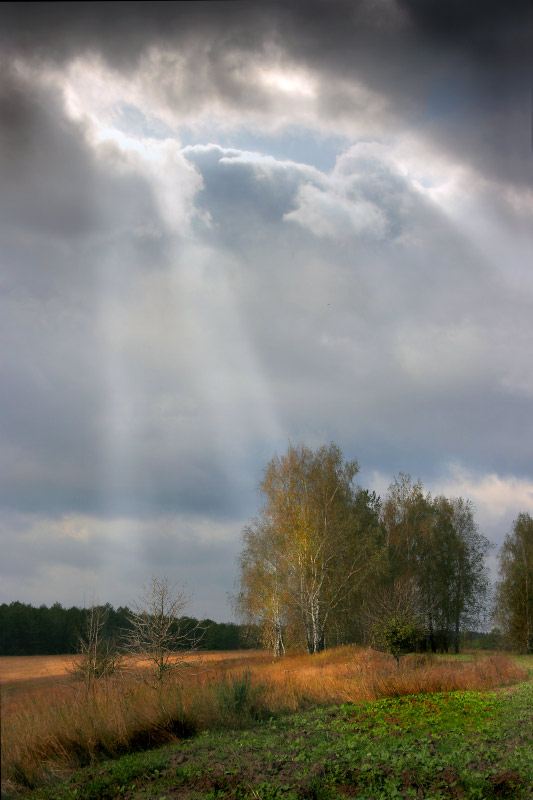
point(98, 657)
point(158, 634)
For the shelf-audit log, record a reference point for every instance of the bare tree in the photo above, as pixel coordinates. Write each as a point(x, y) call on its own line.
point(98, 657)
point(158, 633)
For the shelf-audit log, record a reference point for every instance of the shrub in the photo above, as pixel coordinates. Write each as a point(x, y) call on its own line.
point(396, 635)
point(239, 700)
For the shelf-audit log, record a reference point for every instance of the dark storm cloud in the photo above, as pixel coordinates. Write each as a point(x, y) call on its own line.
point(58, 31)
point(457, 71)
point(121, 31)
point(52, 185)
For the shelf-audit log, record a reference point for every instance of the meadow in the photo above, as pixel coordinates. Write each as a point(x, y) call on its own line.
point(346, 722)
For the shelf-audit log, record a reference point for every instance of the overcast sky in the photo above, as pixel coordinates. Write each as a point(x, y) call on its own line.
point(226, 226)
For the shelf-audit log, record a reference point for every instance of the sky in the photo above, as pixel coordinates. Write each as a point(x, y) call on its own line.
point(229, 226)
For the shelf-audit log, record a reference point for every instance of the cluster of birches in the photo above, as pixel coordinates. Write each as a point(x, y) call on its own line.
point(327, 562)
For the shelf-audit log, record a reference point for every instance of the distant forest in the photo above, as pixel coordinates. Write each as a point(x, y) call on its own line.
point(29, 631)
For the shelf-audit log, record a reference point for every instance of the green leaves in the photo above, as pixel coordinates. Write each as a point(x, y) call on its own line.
point(396, 635)
point(515, 589)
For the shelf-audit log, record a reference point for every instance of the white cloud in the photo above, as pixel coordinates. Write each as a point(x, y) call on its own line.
point(290, 81)
point(332, 214)
point(496, 496)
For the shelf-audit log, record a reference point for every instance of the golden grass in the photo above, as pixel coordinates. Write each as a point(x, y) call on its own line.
point(24, 668)
point(48, 729)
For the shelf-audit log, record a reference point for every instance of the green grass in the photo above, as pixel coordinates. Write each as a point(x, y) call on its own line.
point(448, 745)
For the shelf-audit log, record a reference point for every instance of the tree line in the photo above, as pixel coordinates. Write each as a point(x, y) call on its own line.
point(26, 630)
point(327, 562)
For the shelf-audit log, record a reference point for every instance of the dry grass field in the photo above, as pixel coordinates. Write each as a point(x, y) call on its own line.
point(24, 668)
point(30, 668)
point(51, 723)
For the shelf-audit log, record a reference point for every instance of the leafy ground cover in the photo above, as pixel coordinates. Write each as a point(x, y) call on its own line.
point(460, 744)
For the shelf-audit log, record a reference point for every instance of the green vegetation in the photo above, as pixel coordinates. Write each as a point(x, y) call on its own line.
point(448, 745)
point(396, 635)
point(514, 596)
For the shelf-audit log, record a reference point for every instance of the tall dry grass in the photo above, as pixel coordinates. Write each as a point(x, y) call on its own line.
point(47, 732)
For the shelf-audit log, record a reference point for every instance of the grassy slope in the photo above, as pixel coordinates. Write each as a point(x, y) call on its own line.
point(447, 745)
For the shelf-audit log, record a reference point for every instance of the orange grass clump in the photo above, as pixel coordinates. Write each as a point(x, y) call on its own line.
point(48, 729)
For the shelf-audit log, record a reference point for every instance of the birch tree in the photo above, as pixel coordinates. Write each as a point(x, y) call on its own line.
point(261, 600)
point(469, 584)
point(309, 518)
point(514, 595)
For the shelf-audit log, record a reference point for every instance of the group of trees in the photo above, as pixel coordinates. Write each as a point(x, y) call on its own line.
point(325, 558)
point(434, 543)
point(29, 630)
point(310, 552)
point(158, 638)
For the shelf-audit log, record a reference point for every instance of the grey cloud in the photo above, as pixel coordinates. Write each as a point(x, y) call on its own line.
point(72, 559)
point(235, 190)
point(45, 564)
point(29, 548)
point(392, 348)
point(53, 187)
point(59, 31)
point(173, 546)
point(152, 373)
point(459, 74)
point(67, 279)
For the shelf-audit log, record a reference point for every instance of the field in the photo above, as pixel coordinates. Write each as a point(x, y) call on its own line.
point(20, 673)
point(345, 723)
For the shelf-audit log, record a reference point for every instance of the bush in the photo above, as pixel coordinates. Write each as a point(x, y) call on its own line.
point(396, 635)
point(239, 700)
